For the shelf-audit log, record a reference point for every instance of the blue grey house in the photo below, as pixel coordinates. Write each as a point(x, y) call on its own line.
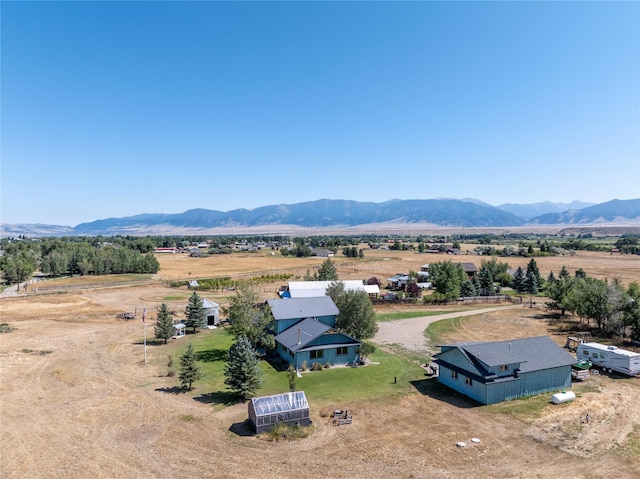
point(304, 330)
point(498, 371)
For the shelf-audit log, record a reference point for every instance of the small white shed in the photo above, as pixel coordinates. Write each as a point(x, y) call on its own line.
point(179, 329)
point(211, 312)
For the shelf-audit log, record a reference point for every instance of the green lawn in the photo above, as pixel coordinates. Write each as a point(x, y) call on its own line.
point(437, 331)
point(176, 298)
point(330, 386)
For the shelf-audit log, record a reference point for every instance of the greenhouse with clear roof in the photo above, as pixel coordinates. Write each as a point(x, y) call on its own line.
point(289, 408)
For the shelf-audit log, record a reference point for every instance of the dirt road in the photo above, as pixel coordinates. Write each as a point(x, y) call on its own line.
point(409, 333)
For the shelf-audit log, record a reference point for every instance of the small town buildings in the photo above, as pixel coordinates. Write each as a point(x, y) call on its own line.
point(322, 253)
point(398, 281)
point(312, 289)
point(164, 250)
point(289, 408)
point(304, 330)
point(492, 372)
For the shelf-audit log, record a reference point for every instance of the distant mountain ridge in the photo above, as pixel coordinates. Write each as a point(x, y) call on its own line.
point(528, 211)
point(609, 212)
point(325, 213)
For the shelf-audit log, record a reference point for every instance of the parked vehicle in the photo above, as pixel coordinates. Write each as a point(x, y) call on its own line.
point(610, 358)
point(580, 370)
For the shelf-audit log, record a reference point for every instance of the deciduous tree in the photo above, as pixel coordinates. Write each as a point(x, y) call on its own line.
point(356, 317)
point(335, 290)
point(248, 317)
point(446, 278)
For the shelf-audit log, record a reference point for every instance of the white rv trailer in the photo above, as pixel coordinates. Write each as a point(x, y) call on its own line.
point(610, 358)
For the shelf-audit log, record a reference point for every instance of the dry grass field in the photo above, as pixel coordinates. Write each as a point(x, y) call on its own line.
point(77, 400)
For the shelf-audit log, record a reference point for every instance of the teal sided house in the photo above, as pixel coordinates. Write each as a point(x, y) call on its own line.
point(498, 371)
point(305, 330)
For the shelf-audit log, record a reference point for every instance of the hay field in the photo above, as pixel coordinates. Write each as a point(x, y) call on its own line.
point(77, 400)
point(384, 264)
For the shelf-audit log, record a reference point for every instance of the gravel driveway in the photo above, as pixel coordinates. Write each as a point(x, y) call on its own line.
point(409, 333)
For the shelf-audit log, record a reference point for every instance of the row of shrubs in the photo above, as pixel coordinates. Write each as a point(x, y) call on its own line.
point(315, 366)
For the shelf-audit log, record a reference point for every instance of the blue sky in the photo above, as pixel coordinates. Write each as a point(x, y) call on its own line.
point(112, 109)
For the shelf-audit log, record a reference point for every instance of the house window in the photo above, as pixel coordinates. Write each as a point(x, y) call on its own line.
point(454, 375)
point(316, 354)
point(341, 351)
point(503, 369)
point(468, 381)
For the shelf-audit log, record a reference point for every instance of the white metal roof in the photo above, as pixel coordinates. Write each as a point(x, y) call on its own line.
point(310, 289)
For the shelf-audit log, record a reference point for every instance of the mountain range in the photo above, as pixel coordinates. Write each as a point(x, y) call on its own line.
point(325, 213)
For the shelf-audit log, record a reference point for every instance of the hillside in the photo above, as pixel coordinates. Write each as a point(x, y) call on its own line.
point(326, 214)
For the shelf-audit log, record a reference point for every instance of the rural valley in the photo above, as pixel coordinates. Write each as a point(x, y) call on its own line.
point(78, 400)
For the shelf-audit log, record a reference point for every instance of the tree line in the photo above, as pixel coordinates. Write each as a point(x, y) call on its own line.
point(614, 309)
point(58, 257)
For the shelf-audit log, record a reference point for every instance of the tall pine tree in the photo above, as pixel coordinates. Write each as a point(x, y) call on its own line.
point(243, 376)
point(164, 325)
point(194, 312)
point(189, 369)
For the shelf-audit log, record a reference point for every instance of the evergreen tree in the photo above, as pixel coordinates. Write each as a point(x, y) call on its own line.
point(194, 313)
point(532, 267)
point(356, 317)
point(243, 375)
point(467, 289)
point(476, 284)
point(328, 271)
point(531, 283)
point(519, 280)
point(551, 278)
point(486, 281)
point(189, 369)
point(164, 325)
